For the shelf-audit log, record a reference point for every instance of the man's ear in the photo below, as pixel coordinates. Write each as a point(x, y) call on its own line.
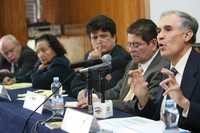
point(114, 38)
point(188, 35)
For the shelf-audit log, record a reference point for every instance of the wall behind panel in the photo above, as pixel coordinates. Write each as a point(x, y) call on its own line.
point(13, 19)
point(190, 6)
point(80, 11)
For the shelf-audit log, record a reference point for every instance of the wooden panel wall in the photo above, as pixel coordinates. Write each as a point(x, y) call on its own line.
point(80, 11)
point(13, 19)
point(13, 16)
point(54, 11)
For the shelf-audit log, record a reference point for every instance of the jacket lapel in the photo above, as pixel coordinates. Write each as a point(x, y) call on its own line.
point(154, 64)
point(189, 79)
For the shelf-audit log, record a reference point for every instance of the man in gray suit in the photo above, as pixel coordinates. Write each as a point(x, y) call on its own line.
point(142, 73)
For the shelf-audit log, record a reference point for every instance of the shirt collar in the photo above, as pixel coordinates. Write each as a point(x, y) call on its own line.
point(145, 65)
point(180, 66)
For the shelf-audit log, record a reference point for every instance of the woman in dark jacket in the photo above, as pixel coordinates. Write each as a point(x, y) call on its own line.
point(52, 63)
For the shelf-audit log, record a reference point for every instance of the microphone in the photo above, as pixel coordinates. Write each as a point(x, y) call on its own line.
point(32, 113)
point(115, 63)
point(91, 62)
point(106, 65)
point(96, 67)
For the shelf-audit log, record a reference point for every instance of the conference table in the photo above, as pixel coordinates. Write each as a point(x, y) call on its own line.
point(13, 116)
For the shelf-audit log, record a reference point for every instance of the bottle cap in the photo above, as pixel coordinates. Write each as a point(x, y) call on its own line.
point(170, 103)
point(55, 78)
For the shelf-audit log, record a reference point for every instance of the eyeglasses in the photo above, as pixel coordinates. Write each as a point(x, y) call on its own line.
point(135, 45)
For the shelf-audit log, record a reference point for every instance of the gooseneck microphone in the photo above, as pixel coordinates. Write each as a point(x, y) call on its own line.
point(106, 64)
point(33, 112)
point(91, 62)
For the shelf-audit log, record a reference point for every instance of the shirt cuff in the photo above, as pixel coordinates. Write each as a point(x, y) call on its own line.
point(185, 112)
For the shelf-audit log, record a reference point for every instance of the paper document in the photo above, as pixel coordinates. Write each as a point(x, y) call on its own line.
point(18, 86)
point(44, 92)
point(132, 125)
point(53, 124)
point(41, 92)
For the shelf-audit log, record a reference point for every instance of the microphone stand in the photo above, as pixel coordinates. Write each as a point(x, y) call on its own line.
point(32, 113)
point(103, 83)
point(90, 109)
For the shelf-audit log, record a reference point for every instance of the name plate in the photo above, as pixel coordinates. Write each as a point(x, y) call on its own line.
point(75, 121)
point(4, 93)
point(33, 101)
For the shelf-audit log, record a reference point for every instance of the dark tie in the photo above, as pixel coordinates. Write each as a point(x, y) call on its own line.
point(174, 71)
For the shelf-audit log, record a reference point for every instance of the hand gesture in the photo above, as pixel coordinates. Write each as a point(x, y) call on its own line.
point(173, 89)
point(139, 86)
point(96, 53)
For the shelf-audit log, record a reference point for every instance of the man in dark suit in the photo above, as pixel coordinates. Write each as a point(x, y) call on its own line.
point(177, 33)
point(4, 68)
point(21, 60)
point(101, 31)
point(146, 63)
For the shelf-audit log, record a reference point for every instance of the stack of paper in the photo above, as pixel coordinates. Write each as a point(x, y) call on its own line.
point(132, 125)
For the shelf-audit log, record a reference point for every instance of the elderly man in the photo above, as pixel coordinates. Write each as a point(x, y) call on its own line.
point(143, 71)
point(21, 60)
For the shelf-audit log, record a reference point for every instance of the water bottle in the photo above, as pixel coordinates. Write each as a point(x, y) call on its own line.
point(170, 116)
point(56, 87)
point(57, 101)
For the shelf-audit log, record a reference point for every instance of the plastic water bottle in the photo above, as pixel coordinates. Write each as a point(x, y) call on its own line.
point(56, 87)
point(170, 116)
point(57, 102)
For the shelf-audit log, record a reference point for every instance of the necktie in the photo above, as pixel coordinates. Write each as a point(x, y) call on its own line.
point(175, 72)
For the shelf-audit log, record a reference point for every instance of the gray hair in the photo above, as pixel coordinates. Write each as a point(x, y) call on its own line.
point(10, 38)
point(188, 22)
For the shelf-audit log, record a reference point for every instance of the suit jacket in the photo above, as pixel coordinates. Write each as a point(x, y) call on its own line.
point(58, 67)
point(152, 76)
point(120, 59)
point(190, 86)
point(4, 64)
point(24, 65)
